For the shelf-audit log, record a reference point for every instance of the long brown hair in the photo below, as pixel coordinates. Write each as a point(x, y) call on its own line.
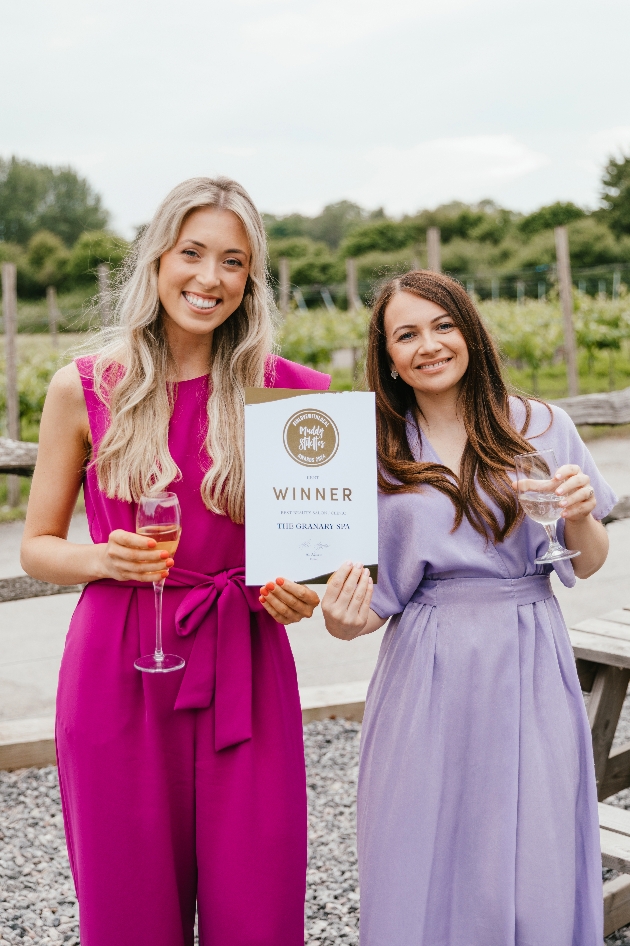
point(484, 402)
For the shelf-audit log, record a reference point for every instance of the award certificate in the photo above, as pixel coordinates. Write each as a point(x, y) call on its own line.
point(310, 483)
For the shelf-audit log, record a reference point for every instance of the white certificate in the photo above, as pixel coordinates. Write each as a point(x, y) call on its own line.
point(310, 483)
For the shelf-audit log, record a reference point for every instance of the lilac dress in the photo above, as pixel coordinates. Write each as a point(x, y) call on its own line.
point(477, 808)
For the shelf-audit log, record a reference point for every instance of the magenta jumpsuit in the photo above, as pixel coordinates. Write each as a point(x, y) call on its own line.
point(189, 787)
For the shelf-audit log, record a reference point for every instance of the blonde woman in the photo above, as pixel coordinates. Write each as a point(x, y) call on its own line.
point(181, 789)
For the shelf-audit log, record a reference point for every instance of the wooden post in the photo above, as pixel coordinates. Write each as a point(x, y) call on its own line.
point(566, 300)
point(9, 311)
point(104, 294)
point(53, 313)
point(616, 284)
point(352, 286)
point(520, 291)
point(434, 260)
point(283, 269)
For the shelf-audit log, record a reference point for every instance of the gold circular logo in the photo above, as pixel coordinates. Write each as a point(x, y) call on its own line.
point(311, 437)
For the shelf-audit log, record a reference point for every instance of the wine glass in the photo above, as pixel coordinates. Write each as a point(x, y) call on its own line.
point(159, 517)
point(537, 495)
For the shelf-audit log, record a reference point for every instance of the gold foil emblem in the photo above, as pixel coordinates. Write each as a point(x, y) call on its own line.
point(311, 437)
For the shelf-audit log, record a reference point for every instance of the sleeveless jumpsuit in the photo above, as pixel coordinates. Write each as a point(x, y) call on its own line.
point(183, 789)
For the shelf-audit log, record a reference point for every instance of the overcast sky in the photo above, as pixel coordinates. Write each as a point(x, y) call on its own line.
point(397, 103)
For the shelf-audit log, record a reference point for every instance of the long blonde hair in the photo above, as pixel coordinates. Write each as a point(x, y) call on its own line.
point(133, 458)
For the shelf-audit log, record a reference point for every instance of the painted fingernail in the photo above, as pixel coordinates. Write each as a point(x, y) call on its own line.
point(164, 574)
point(358, 564)
point(280, 581)
point(349, 563)
point(563, 502)
point(164, 555)
point(270, 586)
point(261, 599)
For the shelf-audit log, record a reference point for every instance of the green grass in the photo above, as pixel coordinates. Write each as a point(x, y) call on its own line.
point(550, 381)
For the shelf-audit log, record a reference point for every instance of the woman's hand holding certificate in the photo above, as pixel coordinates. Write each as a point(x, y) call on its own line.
point(288, 602)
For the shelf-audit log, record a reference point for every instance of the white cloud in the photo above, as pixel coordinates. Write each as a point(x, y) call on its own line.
point(426, 174)
point(300, 26)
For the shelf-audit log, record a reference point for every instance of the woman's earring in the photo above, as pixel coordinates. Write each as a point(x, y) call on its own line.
point(394, 374)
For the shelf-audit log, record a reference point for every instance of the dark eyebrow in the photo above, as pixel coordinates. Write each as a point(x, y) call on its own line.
point(438, 318)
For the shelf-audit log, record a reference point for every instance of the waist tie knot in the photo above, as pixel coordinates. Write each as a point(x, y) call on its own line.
point(218, 610)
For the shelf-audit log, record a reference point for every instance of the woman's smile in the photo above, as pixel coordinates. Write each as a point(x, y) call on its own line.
point(432, 367)
point(200, 303)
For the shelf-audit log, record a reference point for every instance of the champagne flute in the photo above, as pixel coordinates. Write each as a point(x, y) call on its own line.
point(159, 517)
point(537, 495)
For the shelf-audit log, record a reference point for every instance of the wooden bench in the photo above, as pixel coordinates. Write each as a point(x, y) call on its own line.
point(614, 829)
point(602, 650)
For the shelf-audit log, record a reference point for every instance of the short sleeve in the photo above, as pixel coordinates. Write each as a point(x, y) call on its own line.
point(401, 565)
point(570, 448)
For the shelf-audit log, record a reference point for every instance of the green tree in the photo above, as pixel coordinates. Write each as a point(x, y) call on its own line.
point(92, 248)
point(39, 197)
point(383, 235)
point(616, 194)
point(47, 258)
point(546, 218)
point(330, 226)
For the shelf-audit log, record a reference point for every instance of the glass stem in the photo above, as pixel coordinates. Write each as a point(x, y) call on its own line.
point(550, 529)
point(158, 587)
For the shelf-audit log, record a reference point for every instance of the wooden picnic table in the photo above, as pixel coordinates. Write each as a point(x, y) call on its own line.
point(602, 651)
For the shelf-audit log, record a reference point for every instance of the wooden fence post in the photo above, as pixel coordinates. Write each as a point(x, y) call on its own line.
point(53, 313)
point(434, 260)
point(9, 311)
point(566, 301)
point(104, 294)
point(352, 286)
point(283, 270)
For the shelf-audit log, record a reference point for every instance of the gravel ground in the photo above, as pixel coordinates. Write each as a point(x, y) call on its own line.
point(37, 902)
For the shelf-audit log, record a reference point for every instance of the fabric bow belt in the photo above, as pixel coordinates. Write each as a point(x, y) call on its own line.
point(218, 610)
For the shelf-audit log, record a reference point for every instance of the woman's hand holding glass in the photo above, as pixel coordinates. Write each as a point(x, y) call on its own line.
point(130, 557)
point(287, 602)
point(578, 497)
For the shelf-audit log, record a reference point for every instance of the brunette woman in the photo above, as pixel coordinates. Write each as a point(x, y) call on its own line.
point(477, 808)
point(185, 788)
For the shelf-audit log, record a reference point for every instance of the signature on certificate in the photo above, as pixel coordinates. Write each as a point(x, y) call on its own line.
point(313, 551)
